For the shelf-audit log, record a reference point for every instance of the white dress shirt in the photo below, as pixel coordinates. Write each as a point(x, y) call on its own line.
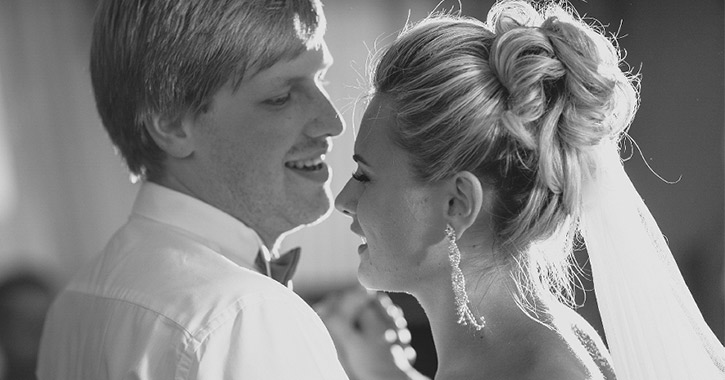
point(174, 295)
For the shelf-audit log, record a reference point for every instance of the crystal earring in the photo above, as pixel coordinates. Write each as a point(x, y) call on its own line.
point(465, 316)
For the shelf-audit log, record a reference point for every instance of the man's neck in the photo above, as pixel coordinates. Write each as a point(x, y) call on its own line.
point(272, 241)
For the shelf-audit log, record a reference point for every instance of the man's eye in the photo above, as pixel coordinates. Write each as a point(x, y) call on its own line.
point(279, 101)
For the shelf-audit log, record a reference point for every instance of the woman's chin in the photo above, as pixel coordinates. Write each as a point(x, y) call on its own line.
point(367, 279)
point(373, 281)
point(364, 279)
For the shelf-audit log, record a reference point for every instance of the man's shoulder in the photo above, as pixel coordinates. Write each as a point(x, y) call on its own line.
point(177, 277)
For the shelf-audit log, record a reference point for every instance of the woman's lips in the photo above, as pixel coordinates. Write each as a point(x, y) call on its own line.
point(362, 248)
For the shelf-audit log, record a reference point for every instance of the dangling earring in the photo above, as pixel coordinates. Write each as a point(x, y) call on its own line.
point(465, 316)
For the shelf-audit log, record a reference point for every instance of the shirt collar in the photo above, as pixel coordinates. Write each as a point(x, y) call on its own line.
point(210, 226)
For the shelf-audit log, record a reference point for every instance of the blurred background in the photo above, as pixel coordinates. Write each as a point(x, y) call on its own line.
point(64, 191)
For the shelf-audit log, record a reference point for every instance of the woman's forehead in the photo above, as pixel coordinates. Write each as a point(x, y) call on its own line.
point(376, 121)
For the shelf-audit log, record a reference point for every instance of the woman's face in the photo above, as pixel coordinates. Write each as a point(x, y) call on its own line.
point(398, 217)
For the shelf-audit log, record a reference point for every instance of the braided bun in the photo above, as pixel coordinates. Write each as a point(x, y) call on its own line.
point(561, 77)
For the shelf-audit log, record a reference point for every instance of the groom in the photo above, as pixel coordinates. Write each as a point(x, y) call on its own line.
point(218, 108)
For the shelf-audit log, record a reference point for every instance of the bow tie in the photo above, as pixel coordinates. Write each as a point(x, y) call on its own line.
point(281, 269)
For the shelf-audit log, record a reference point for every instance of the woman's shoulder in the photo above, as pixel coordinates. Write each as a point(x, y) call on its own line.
point(566, 347)
point(586, 345)
point(594, 346)
point(556, 358)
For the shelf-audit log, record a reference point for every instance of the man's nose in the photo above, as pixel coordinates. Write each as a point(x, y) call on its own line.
point(330, 122)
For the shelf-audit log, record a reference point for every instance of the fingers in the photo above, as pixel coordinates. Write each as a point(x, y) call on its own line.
point(343, 302)
point(366, 311)
point(357, 313)
point(394, 314)
point(381, 317)
point(397, 333)
point(367, 327)
point(340, 310)
point(370, 319)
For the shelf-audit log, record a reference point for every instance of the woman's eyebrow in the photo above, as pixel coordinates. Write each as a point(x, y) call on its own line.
point(359, 159)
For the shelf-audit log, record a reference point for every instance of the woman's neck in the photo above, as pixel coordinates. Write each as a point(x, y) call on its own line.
point(504, 343)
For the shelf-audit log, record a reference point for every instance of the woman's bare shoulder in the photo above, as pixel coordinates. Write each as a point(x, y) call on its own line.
point(558, 360)
point(587, 345)
point(571, 350)
point(594, 346)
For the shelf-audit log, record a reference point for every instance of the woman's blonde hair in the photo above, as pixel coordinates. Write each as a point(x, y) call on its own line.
point(519, 101)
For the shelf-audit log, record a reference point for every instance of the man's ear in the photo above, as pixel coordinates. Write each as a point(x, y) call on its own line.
point(465, 199)
point(172, 135)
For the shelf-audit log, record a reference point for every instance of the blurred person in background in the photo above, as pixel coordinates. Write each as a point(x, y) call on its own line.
point(485, 150)
point(24, 300)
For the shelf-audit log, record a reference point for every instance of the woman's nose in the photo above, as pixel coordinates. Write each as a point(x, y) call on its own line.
point(345, 202)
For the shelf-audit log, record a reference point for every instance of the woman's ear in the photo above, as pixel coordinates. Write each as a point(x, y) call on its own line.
point(173, 136)
point(465, 199)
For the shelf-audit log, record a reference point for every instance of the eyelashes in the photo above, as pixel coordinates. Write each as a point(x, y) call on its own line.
point(282, 100)
point(360, 177)
point(279, 101)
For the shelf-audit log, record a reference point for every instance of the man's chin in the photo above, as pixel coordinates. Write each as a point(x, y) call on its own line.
point(312, 216)
point(320, 218)
point(318, 215)
point(323, 209)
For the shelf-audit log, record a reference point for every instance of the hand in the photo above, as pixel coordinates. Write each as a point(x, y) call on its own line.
point(370, 333)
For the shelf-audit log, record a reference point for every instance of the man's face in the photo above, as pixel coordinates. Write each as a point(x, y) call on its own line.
point(260, 148)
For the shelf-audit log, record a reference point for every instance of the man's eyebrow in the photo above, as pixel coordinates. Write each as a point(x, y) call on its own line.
point(358, 158)
point(298, 78)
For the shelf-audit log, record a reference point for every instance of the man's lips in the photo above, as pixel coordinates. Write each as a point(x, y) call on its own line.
point(309, 156)
point(312, 163)
point(310, 166)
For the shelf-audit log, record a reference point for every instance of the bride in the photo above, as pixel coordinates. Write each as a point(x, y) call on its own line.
point(486, 152)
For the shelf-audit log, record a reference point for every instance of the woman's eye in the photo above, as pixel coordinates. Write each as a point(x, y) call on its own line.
point(279, 101)
point(360, 177)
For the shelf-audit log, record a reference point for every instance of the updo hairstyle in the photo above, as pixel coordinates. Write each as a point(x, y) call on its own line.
point(519, 101)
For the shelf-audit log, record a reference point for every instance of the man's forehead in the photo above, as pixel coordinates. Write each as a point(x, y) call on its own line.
point(307, 64)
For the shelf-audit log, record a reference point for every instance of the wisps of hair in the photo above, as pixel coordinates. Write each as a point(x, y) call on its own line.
point(519, 101)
